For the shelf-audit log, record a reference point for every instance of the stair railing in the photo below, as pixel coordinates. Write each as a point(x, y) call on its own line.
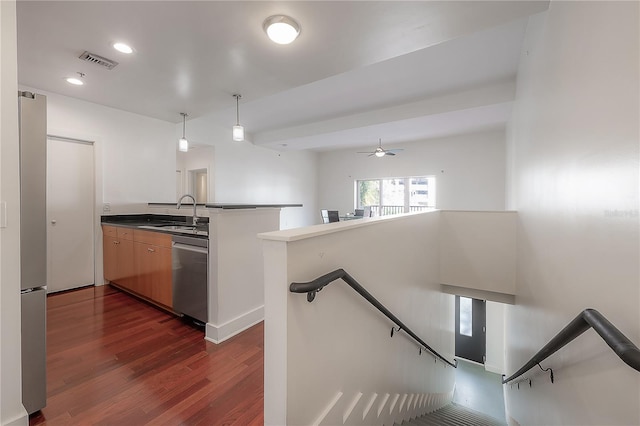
point(589, 318)
point(313, 287)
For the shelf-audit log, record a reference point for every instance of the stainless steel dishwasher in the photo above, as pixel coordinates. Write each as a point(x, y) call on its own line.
point(190, 257)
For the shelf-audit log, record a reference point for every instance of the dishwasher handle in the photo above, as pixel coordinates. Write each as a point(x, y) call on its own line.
point(180, 246)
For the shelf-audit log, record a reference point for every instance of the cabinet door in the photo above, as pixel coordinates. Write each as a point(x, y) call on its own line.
point(110, 258)
point(126, 267)
point(153, 266)
point(162, 291)
point(143, 261)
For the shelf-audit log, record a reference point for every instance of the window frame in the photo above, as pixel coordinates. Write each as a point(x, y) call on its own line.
point(380, 209)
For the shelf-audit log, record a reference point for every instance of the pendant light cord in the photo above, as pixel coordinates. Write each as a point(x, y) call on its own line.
point(237, 108)
point(184, 121)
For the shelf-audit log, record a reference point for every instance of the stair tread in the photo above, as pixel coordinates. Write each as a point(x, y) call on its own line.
point(453, 415)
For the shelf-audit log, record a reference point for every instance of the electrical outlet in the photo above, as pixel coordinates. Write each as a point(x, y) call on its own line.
point(106, 207)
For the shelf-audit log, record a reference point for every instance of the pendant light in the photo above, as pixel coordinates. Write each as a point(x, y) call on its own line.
point(183, 143)
point(238, 130)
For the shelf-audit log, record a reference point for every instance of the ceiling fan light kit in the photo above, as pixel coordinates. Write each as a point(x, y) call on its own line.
point(380, 151)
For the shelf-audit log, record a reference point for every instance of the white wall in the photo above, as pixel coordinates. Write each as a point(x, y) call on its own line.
point(573, 160)
point(245, 173)
point(197, 158)
point(138, 159)
point(478, 251)
point(469, 171)
point(339, 342)
point(11, 409)
point(494, 336)
point(137, 153)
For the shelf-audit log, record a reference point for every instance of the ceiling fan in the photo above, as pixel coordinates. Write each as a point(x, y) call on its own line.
point(381, 152)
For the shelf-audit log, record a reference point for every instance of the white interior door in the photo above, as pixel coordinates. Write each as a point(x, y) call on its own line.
point(70, 214)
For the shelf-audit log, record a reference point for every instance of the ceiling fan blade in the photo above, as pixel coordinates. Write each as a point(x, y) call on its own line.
point(364, 152)
point(395, 150)
point(389, 153)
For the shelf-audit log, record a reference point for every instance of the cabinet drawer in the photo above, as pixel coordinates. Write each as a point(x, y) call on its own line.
point(150, 237)
point(124, 233)
point(109, 231)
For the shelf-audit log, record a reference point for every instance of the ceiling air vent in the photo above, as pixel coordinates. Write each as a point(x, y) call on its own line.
point(98, 60)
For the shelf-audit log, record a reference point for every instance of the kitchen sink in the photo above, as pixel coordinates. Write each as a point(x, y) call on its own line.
point(178, 227)
point(187, 229)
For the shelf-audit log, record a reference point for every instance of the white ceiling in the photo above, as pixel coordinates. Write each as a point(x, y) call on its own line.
point(362, 70)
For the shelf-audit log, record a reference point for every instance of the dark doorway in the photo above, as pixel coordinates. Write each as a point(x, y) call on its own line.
point(470, 328)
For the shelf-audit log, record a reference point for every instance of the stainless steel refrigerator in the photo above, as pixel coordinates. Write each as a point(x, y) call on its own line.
point(33, 248)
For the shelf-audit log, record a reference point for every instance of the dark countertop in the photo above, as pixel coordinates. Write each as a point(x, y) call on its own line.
point(145, 221)
point(228, 206)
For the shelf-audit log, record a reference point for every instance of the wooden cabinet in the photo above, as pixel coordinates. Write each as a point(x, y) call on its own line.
point(139, 262)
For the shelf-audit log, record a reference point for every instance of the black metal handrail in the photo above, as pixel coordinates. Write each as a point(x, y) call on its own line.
point(589, 318)
point(312, 287)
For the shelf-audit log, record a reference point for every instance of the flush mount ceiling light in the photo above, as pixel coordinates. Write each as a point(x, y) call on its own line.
point(281, 29)
point(238, 130)
point(76, 81)
point(123, 47)
point(183, 143)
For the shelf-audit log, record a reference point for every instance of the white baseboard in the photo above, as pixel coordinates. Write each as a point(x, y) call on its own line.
point(21, 420)
point(220, 333)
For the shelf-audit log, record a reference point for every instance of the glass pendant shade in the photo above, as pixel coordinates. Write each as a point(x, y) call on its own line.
point(183, 145)
point(238, 133)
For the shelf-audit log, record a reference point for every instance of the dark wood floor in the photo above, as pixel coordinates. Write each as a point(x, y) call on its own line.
point(113, 360)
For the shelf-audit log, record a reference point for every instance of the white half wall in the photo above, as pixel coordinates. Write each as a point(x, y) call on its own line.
point(236, 283)
point(340, 343)
point(574, 169)
point(11, 409)
point(469, 171)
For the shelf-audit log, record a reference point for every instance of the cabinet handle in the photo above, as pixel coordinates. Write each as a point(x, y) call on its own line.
point(151, 250)
point(116, 242)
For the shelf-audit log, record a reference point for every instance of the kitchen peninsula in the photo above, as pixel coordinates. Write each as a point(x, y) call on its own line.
point(235, 263)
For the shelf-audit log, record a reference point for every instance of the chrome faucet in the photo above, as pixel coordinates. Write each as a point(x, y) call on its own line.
point(195, 217)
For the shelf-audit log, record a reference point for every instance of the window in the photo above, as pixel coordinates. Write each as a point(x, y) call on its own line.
point(466, 316)
point(396, 195)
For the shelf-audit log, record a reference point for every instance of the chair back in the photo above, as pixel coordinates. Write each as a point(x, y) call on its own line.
point(367, 211)
point(359, 212)
point(325, 216)
point(334, 216)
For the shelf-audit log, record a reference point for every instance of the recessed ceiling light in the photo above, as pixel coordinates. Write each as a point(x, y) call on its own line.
point(281, 29)
point(76, 81)
point(122, 47)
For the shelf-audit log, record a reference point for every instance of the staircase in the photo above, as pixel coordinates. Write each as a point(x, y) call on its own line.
point(453, 415)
